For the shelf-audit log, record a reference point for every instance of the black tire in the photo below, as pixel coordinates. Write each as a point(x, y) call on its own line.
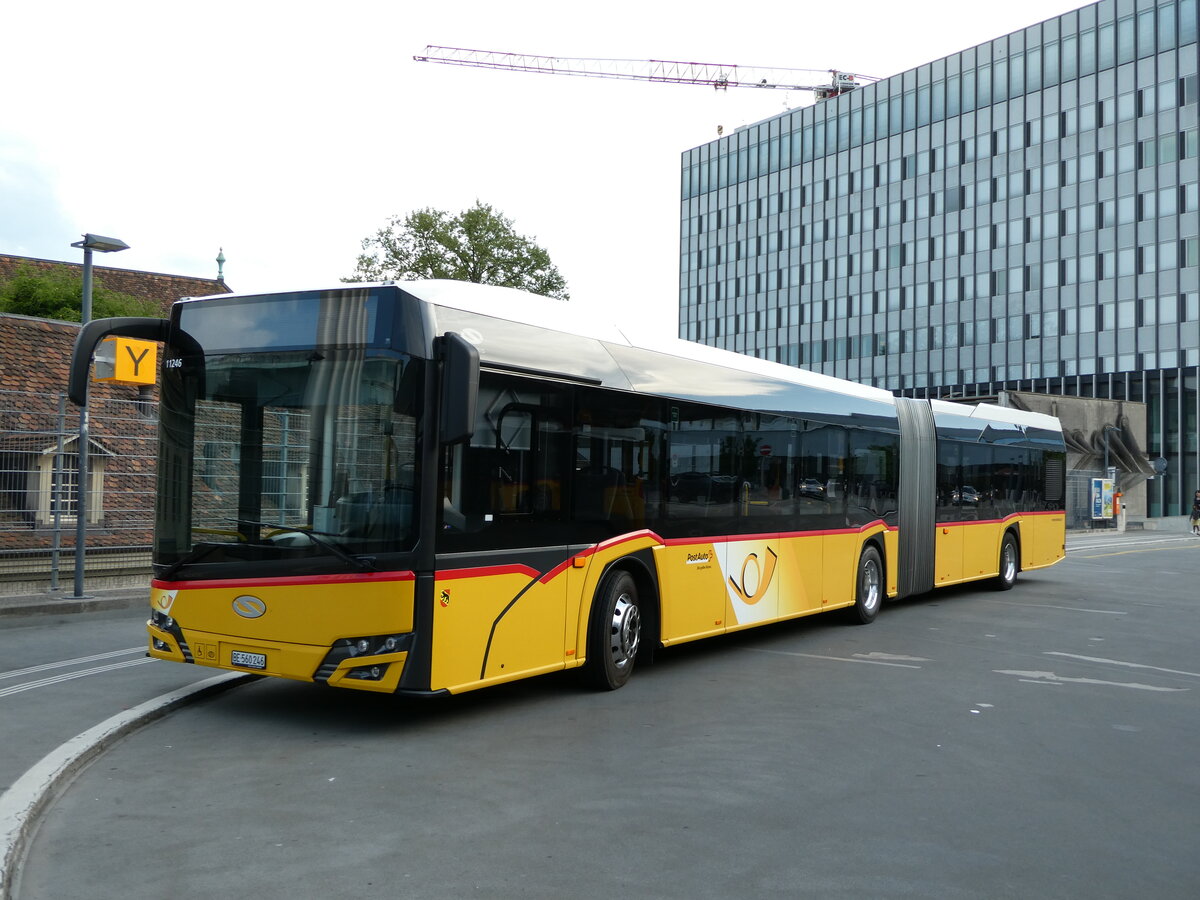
point(614, 633)
point(1010, 563)
point(868, 588)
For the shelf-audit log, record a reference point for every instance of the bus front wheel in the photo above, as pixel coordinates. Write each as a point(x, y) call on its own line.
point(1009, 563)
point(868, 594)
point(615, 632)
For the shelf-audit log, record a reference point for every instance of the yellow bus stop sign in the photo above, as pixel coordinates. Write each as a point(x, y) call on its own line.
point(125, 361)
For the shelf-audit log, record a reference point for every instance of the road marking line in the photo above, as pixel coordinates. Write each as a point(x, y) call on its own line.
point(67, 676)
point(1052, 678)
point(1127, 552)
point(31, 793)
point(1120, 662)
point(876, 655)
point(1105, 612)
point(79, 660)
point(1127, 543)
point(870, 662)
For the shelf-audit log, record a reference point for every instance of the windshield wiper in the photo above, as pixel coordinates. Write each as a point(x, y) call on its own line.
point(362, 563)
point(197, 553)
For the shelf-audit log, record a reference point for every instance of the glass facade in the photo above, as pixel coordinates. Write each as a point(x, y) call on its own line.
point(1022, 215)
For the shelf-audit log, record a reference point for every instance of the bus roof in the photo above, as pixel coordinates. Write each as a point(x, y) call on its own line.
point(507, 325)
point(523, 332)
point(995, 413)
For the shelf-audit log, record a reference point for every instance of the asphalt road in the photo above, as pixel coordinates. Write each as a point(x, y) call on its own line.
point(1036, 743)
point(61, 674)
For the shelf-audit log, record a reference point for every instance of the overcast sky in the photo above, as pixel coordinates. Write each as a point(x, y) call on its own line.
point(285, 133)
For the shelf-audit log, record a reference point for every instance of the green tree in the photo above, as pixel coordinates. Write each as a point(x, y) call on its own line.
point(58, 294)
point(479, 244)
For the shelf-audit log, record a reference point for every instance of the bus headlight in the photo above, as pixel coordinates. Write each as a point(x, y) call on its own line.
point(369, 646)
point(363, 648)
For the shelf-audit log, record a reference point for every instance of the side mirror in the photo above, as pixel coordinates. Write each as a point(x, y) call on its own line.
point(460, 388)
point(97, 330)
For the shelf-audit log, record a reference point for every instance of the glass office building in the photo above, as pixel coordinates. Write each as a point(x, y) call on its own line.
point(1023, 215)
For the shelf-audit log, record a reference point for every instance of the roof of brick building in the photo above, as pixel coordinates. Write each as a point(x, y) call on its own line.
point(161, 288)
point(35, 354)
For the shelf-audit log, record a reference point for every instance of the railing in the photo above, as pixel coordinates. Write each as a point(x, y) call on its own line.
point(39, 436)
point(1079, 500)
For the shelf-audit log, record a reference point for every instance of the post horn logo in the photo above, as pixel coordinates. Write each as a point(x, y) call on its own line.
point(755, 576)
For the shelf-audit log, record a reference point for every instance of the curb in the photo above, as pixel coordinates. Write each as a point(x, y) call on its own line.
point(46, 604)
point(30, 794)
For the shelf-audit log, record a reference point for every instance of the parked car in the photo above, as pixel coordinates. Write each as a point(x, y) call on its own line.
point(811, 487)
point(966, 496)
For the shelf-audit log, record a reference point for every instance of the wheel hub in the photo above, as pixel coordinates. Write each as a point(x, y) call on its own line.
point(870, 585)
point(626, 631)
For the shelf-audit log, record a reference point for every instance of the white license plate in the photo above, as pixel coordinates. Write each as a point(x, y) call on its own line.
point(248, 660)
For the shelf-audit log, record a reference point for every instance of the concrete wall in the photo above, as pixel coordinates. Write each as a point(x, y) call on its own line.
point(1087, 424)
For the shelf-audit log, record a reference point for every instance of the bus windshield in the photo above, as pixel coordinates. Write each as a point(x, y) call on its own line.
point(287, 455)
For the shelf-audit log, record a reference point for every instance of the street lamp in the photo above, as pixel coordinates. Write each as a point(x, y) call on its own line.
point(101, 244)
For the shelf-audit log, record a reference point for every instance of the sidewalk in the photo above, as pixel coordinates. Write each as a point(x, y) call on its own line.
point(1163, 525)
point(60, 602)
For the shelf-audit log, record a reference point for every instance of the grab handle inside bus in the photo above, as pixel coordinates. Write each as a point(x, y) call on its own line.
point(460, 388)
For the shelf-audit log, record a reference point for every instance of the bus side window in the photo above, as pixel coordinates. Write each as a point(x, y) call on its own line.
point(874, 475)
point(822, 475)
point(978, 494)
point(506, 488)
point(949, 497)
point(618, 445)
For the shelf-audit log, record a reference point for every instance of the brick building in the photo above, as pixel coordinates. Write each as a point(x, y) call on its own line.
point(38, 426)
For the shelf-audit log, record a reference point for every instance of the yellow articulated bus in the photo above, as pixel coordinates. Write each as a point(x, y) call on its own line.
point(431, 487)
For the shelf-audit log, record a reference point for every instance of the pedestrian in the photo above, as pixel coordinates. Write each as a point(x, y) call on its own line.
point(1196, 513)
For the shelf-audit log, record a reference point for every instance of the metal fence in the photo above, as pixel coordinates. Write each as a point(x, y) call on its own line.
point(39, 487)
point(1079, 499)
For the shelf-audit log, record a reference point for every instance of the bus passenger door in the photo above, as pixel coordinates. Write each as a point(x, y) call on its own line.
point(756, 577)
point(948, 551)
point(950, 528)
point(692, 585)
point(752, 580)
point(500, 602)
point(699, 499)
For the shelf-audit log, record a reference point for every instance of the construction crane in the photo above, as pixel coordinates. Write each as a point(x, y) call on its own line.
point(717, 75)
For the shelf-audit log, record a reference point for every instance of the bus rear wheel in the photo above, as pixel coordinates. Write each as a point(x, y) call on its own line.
point(615, 632)
point(868, 594)
point(1009, 563)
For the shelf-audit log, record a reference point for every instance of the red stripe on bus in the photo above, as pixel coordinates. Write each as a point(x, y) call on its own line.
point(632, 536)
point(562, 567)
point(1007, 518)
point(603, 545)
point(284, 581)
point(486, 571)
point(773, 535)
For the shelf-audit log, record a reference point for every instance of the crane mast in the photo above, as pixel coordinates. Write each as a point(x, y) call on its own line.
point(717, 75)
